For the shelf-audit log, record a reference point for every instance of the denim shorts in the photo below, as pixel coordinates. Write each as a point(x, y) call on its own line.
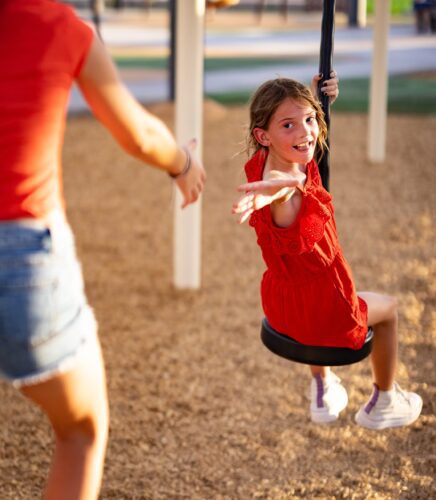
point(45, 321)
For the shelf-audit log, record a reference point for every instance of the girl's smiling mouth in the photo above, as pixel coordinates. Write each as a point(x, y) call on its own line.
point(304, 146)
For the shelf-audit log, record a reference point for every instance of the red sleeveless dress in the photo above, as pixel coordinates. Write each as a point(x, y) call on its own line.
point(307, 290)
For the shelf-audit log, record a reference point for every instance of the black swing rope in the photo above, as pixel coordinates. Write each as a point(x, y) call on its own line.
point(325, 68)
point(276, 342)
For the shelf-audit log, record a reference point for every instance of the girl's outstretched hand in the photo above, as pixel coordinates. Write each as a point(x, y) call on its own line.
point(261, 193)
point(330, 87)
point(191, 184)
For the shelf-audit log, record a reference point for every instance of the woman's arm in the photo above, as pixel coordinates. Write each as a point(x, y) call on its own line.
point(139, 133)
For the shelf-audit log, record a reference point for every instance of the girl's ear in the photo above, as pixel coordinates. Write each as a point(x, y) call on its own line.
point(261, 136)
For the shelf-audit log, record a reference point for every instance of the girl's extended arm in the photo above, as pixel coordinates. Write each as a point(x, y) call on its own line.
point(285, 208)
point(261, 193)
point(139, 133)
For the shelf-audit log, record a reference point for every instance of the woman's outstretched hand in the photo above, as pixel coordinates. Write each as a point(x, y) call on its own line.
point(192, 183)
point(330, 87)
point(261, 193)
point(218, 4)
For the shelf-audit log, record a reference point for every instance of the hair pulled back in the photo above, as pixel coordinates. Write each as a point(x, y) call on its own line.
point(267, 99)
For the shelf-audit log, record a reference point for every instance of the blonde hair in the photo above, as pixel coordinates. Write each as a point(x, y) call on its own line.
point(268, 98)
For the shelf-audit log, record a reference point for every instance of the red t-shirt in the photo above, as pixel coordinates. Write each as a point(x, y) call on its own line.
point(307, 290)
point(43, 46)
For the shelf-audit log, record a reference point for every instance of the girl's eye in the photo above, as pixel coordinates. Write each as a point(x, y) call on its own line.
point(288, 125)
point(311, 119)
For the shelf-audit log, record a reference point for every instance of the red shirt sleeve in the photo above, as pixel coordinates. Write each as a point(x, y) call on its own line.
point(78, 39)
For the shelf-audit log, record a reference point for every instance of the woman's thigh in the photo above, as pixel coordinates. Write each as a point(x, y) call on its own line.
point(45, 320)
point(77, 396)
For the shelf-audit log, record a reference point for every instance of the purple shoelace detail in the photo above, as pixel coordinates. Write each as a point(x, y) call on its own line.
point(373, 400)
point(320, 391)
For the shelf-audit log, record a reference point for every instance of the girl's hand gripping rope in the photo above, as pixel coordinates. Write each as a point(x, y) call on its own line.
point(330, 87)
point(261, 193)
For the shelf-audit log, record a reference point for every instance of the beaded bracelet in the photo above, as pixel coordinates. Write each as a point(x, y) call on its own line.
point(186, 167)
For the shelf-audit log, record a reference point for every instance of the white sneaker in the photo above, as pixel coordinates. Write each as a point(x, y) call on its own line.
point(392, 408)
point(328, 398)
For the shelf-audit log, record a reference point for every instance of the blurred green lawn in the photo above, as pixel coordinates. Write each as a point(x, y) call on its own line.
point(406, 94)
point(415, 94)
point(215, 63)
point(397, 6)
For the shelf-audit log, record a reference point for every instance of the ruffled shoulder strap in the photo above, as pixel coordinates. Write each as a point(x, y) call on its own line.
point(314, 173)
point(314, 187)
point(255, 165)
point(308, 228)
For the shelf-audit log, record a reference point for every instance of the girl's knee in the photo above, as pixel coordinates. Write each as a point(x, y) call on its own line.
point(382, 309)
point(387, 310)
point(392, 306)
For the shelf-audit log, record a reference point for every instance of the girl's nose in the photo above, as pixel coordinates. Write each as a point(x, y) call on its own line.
point(306, 127)
point(304, 131)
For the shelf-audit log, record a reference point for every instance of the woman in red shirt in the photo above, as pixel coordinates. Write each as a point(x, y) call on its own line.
point(307, 289)
point(48, 338)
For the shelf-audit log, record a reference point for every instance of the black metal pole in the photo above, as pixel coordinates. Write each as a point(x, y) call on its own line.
point(97, 7)
point(172, 58)
point(325, 67)
point(353, 6)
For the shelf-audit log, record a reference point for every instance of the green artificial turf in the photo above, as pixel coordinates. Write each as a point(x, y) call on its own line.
point(405, 95)
point(214, 63)
point(397, 6)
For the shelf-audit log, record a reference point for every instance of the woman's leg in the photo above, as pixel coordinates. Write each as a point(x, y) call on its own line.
point(76, 405)
point(383, 317)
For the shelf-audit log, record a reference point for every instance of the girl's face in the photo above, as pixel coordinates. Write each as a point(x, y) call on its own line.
point(291, 134)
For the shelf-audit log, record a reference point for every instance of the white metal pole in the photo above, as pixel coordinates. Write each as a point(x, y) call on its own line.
point(361, 13)
point(378, 96)
point(188, 124)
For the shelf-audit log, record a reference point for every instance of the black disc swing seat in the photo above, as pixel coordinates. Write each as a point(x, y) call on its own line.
point(288, 348)
point(276, 342)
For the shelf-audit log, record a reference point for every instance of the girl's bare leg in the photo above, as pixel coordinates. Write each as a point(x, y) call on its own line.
point(321, 370)
point(76, 405)
point(383, 317)
point(327, 396)
point(389, 405)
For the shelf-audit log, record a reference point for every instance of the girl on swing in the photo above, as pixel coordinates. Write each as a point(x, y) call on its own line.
point(307, 290)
